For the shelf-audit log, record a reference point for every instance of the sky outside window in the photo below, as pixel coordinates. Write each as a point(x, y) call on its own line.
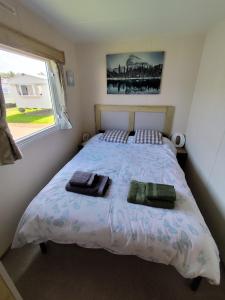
point(26, 92)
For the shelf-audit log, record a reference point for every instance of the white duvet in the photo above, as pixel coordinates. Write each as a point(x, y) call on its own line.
point(178, 237)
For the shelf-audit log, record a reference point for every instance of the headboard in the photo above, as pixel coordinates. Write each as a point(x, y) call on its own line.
point(133, 117)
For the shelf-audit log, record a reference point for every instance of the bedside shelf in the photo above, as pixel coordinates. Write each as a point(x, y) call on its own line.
point(81, 146)
point(182, 156)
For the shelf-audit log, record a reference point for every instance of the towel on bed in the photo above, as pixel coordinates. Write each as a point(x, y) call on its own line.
point(98, 188)
point(158, 191)
point(80, 178)
point(152, 194)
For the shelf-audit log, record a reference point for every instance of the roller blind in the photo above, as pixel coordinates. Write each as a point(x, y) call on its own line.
point(15, 39)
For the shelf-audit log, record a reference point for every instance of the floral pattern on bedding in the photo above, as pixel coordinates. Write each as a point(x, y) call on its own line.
point(177, 237)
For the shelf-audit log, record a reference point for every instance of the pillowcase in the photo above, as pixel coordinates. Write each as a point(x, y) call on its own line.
point(115, 136)
point(148, 136)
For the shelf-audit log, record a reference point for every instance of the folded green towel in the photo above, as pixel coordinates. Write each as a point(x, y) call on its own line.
point(141, 192)
point(133, 191)
point(151, 194)
point(160, 204)
point(162, 192)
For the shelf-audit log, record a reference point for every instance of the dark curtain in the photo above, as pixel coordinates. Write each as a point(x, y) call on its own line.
point(9, 151)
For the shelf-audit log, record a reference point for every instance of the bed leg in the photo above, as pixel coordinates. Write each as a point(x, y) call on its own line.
point(43, 247)
point(195, 283)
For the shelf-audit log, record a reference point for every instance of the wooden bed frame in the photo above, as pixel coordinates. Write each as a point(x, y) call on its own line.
point(132, 109)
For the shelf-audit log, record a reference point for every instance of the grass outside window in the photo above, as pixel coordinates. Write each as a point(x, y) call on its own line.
point(30, 116)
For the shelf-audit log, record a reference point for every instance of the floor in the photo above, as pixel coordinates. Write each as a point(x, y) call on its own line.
point(69, 272)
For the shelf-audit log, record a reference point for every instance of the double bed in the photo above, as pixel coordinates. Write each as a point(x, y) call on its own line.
point(178, 237)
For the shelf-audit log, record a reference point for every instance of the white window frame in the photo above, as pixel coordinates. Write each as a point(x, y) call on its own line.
point(6, 90)
point(28, 95)
point(39, 88)
point(45, 131)
point(21, 142)
point(36, 135)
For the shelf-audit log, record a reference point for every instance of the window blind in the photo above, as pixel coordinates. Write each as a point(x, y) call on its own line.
point(15, 39)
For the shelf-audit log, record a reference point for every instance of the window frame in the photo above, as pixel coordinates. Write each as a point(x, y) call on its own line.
point(36, 135)
point(51, 128)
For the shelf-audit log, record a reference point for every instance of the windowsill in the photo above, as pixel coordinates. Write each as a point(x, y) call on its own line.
point(30, 96)
point(32, 137)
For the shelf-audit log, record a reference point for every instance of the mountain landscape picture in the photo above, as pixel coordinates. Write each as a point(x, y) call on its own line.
point(134, 73)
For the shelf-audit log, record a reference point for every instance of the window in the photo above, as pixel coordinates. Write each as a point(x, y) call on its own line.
point(39, 90)
point(26, 90)
point(5, 89)
point(27, 93)
point(18, 89)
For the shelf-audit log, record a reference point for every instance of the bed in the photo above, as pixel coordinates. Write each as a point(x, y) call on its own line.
point(178, 237)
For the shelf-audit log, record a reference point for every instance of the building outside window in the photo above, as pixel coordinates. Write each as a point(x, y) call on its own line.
point(27, 93)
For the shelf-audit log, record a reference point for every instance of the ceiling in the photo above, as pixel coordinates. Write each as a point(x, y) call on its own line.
point(97, 20)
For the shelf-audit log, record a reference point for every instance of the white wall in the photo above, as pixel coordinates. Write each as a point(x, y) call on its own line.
point(42, 158)
point(206, 135)
point(179, 75)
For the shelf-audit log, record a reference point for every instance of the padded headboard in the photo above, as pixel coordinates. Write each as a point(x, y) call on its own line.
point(133, 117)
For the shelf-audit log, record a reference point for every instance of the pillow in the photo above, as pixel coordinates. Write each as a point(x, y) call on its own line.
point(115, 136)
point(148, 136)
point(131, 133)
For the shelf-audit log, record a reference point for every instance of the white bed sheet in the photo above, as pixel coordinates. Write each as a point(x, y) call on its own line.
point(178, 237)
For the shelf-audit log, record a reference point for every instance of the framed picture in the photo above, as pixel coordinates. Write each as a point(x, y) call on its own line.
point(70, 78)
point(134, 73)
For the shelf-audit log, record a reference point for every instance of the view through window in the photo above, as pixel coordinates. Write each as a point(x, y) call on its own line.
point(27, 94)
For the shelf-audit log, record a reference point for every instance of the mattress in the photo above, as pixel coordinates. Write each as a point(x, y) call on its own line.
point(177, 237)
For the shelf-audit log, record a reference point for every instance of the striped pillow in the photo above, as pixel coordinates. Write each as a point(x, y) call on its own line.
point(148, 136)
point(115, 136)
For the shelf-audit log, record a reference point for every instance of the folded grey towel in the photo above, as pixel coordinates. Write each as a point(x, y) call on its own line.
point(98, 189)
point(91, 180)
point(80, 178)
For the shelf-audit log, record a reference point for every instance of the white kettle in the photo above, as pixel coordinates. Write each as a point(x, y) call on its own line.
point(178, 139)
